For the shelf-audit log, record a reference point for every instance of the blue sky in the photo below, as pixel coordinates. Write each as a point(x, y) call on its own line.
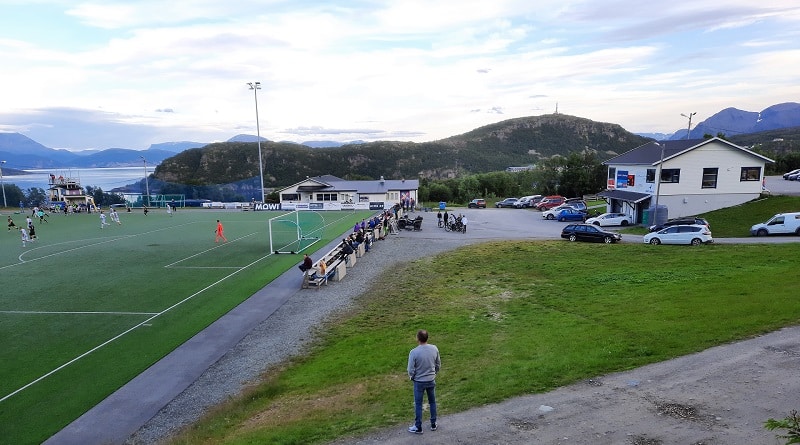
point(127, 74)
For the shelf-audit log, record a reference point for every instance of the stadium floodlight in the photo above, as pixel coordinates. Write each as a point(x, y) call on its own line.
point(255, 86)
point(689, 131)
point(3, 184)
point(146, 181)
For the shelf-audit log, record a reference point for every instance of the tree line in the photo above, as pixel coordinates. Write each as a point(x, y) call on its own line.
point(574, 175)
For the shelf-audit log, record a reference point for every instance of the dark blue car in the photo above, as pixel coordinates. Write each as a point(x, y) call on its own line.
point(571, 215)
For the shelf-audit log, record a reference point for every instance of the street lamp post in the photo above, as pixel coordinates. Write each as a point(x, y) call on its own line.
point(146, 181)
point(658, 179)
point(690, 122)
point(255, 86)
point(2, 183)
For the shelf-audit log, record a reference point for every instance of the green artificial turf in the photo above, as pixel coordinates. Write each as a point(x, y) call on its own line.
point(83, 309)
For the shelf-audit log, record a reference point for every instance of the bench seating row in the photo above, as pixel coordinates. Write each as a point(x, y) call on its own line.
point(337, 263)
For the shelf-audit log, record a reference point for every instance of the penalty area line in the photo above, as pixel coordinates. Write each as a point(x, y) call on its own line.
point(127, 331)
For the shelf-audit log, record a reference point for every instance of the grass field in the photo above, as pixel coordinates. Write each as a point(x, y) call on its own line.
point(84, 309)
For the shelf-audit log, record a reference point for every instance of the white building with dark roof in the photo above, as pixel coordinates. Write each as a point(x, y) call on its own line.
point(328, 192)
point(696, 176)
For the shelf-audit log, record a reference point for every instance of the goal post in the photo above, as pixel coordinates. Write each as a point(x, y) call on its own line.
point(295, 231)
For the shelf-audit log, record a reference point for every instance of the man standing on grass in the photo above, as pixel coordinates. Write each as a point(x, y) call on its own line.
point(423, 365)
point(103, 222)
point(220, 231)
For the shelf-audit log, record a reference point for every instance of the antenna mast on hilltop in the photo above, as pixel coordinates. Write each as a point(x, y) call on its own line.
point(556, 108)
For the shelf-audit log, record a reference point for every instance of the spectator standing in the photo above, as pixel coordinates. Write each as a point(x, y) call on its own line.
point(464, 223)
point(423, 365)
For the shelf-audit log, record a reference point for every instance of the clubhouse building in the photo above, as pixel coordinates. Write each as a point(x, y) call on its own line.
point(328, 192)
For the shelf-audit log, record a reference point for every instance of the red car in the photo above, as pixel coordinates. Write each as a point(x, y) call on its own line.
point(550, 201)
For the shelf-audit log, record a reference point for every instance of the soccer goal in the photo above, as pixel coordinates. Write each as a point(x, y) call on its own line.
point(295, 231)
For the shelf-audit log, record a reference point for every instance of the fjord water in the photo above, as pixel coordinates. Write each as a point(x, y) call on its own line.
point(105, 178)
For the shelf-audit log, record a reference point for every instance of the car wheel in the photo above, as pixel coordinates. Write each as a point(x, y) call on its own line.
point(762, 232)
point(696, 241)
point(561, 219)
point(655, 241)
point(607, 240)
point(573, 238)
point(597, 223)
point(551, 217)
point(624, 223)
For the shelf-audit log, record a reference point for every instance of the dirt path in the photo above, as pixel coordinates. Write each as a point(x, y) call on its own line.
point(719, 396)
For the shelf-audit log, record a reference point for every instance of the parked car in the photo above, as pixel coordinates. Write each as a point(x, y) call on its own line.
point(570, 214)
point(793, 172)
point(610, 219)
point(478, 203)
point(552, 214)
point(525, 202)
point(577, 203)
point(508, 202)
point(694, 235)
point(794, 177)
point(780, 224)
point(687, 220)
point(550, 201)
point(589, 232)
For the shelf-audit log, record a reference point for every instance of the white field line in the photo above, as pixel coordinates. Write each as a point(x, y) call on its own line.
point(117, 238)
point(209, 250)
point(78, 312)
point(143, 323)
point(120, 335)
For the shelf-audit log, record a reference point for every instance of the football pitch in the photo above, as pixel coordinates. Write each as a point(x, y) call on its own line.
point(83, 310)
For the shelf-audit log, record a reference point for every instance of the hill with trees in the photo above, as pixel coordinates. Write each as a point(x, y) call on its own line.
point(515, 142)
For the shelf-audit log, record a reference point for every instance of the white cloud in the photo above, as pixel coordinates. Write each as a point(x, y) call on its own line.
point(414, 70)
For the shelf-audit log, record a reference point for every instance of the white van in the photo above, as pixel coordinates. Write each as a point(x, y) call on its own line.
point(780, 224)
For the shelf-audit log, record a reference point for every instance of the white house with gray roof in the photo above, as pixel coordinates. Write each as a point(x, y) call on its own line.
point(328, 192)
point(696, 176)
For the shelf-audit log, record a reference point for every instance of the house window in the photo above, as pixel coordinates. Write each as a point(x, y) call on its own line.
point(671, 175)
point(710, 178)
point(651, 175)
point(290, 197)
point(750, 174)
point(327, 197)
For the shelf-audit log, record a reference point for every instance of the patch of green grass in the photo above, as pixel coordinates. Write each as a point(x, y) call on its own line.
point(735, 222)
point(79, 287)
point(514, 318)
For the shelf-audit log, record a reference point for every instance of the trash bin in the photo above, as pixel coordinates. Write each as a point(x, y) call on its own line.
point(442, 205)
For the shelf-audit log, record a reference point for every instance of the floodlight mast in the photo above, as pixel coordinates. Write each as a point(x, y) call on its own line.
point(3, 184)
point(146, 181)
point(255, 86)
point(689, 131)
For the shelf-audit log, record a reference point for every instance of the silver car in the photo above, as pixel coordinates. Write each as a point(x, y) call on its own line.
point(694, 235)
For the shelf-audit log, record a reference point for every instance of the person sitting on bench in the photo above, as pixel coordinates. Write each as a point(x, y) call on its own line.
point(307, 264)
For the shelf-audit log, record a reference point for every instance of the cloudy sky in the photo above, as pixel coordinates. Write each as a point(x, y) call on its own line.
point(130, 73)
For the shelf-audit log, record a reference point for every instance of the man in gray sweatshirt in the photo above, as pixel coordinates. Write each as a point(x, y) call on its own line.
point(423, 365)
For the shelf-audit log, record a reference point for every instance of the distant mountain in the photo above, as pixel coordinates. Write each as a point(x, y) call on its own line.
point(522, 141)
point(732, 121)
point(246, 138)
point(21, 152)
point(656, 136)
point(322, 144)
